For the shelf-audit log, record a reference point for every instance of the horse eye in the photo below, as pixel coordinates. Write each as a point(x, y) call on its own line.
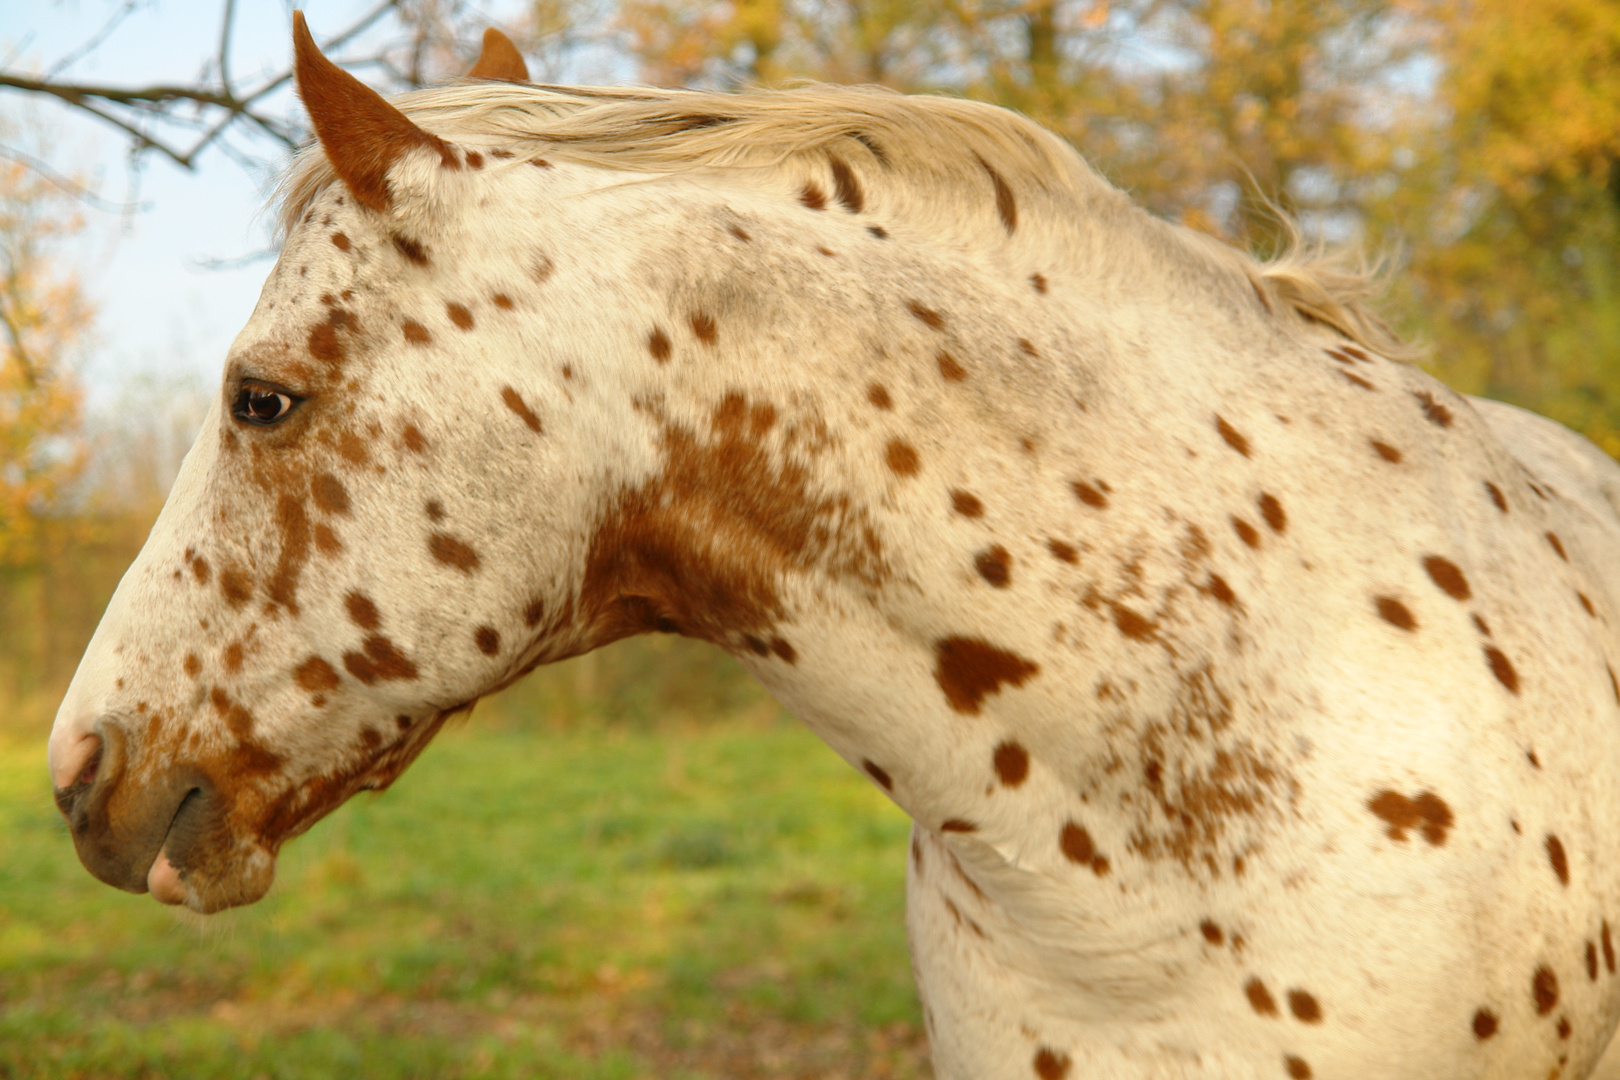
point(262, 405)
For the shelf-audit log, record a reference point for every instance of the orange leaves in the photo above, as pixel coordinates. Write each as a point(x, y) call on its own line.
point(43, 314)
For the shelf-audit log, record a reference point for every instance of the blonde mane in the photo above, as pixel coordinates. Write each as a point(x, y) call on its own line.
point(936, 145)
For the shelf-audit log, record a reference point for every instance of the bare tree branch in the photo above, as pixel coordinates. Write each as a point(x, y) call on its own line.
point(77, 190)
point(149, 114)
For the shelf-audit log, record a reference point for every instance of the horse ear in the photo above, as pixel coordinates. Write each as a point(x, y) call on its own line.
point(362, 134)
point(499, 60)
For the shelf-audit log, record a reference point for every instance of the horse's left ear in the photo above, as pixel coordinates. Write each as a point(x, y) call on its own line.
point(362, 134)
point(499, 60)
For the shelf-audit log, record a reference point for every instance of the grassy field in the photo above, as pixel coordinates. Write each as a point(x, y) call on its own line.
point(649, 899)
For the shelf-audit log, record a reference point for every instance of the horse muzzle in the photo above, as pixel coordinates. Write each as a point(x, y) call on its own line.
point(123, 817)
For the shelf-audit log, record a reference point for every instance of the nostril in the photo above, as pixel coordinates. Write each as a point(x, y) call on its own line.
point(87, 775)
point(79, 764)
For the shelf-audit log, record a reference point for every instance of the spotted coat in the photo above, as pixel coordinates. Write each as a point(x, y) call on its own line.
point(1253, 694)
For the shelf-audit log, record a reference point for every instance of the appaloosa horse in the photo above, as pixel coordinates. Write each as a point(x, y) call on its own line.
point(1253, 694)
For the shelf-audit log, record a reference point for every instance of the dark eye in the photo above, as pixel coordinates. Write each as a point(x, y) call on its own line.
point(259, 404)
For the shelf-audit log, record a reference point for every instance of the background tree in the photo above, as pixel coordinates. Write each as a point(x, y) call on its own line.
point(44, 317)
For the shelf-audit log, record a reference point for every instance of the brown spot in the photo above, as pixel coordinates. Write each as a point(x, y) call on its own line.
point(1233, 437)
point(1089, 495)
point(1557, 545)
point(878, 231)
point(379, 661)
point(704, 329)
point(1077, 847)
point(845, 187)
point(293, 523)
point(410, 249)
point(1038, 283)
point(1556, 856)
point(316, 675)
point(901, 458)
point(352, 448)
point(330, 494)
point(1591, 962)
point(1481, 625)
point(501, 300)
point(994, 565)
point(1272, 511)
point(541, 268)
point(965, 504)
point(1246, 532)
point(414, 441)
point(534, 612)
point(452, 552)
point(540, 163)
point(878, 773)
point(1220, 590)
point(1357, 380)
point(1502, 668)
point(1485, 1024)
point(1260, 998)
point(1586, 604)
point(1006, 207)
point(827, 251)
point(1387, 452)
point(813, 197)
point(1496, 496)
point(658, 345)
point(193, 665)
point(233, 657)
point(1445, 574)
point(1395, 613)
point(1432, 409)
point(1062, 551)
point(488, 640)
point(199, 570)
point(968, 670)
point(1564, 1027)
point(927, 315)
point(515, 402)
point(784, 651)
point(1402, 813)
point(1051, 1065)
point(1530, 755)
point(459, 315)
point(324, 344)
point(1608, 946)
point(1544, 988)
point(949, 368)
point(1297, 1068)
point(1027, 347)
point(235, 585)
point(1304, 1007)
point(957, 825)
point(434, 510)
point(362, 612)
point(1211, 932)
point(739, 232)
point(341, 241)
point(1012, 763)
point(879, 396)
point(1133, 625)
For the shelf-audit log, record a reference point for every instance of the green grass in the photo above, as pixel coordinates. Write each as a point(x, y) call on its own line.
point(643, 901)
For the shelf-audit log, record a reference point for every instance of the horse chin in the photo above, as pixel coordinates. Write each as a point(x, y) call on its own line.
point(213, 887)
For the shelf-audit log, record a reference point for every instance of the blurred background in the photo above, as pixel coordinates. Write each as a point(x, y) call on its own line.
point(632, 864)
